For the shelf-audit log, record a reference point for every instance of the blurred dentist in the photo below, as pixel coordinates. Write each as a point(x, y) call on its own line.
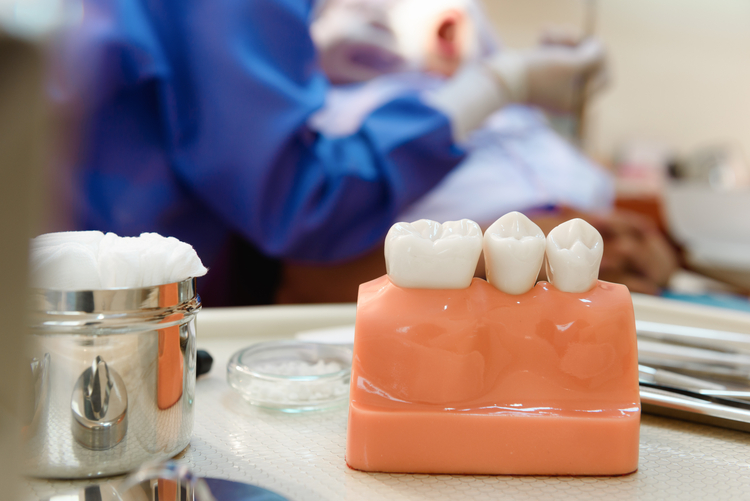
point(514, 162)
point(196, 125)
point(375, 50)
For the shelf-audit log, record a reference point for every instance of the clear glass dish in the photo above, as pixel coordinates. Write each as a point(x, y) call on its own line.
point(292, 376)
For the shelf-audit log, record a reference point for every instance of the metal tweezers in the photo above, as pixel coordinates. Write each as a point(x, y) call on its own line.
point(691, 405)
point(718, 355)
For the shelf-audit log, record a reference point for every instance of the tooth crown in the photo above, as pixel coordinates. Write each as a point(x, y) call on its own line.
point(513, 253)
point(574, 253)
point(428, 255)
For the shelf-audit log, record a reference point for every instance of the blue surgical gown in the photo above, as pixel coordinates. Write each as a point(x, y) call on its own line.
point(197, 127)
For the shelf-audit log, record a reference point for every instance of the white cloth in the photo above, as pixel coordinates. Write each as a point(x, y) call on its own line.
point(515, 160)
point(91, 260)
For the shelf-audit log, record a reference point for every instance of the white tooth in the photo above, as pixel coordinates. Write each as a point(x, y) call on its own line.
point(429, 255)
point(574, 252)
point(513, 253)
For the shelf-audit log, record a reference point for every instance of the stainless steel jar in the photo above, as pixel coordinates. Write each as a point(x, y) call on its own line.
point(113, 376)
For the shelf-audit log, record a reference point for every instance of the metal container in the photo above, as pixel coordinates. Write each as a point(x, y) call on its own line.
point(113, 376)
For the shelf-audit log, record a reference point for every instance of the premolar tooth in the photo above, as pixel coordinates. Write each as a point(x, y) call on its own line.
point(513, 253)
point(428, 255)
point(574, 252)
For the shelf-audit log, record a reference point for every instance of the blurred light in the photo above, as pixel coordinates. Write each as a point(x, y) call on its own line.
point(38, 18)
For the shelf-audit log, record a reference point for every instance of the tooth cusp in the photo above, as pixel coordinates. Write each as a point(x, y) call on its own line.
point(574, 253)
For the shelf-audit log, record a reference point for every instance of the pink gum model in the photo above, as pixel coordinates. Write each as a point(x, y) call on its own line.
point(478, 381)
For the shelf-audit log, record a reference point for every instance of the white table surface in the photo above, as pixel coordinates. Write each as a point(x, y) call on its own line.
point(301, 456)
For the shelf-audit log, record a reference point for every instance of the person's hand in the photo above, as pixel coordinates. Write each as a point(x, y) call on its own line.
point(635, 252)
point(553, 75)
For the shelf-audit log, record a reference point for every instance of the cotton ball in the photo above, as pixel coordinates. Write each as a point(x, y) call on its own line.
point(93, 260)
point(65, 260)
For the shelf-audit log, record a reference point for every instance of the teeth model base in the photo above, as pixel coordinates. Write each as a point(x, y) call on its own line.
point(480, 379)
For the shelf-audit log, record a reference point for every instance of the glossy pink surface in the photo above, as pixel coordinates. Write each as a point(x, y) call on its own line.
point(478, 381)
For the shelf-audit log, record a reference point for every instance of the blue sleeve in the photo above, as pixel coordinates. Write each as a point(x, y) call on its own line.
point(218, 94)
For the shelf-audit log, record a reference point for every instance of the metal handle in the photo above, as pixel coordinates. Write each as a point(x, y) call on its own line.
point(97, 385)
point(99, 405)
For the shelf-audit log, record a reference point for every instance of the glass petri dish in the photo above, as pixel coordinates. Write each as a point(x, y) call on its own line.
point(292, 376)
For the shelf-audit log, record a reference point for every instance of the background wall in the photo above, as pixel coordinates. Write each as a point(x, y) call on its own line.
point(680, 68)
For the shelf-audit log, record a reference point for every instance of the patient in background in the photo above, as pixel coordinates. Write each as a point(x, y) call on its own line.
point(375, 50)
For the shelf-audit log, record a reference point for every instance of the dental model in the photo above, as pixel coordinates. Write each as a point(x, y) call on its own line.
point(454, 374)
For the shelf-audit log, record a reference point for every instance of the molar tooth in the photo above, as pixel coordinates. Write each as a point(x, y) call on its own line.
point(513, 253)
point(574, 252)
point(428, 255)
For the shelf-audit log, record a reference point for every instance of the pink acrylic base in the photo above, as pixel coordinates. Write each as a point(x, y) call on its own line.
point(479, 381)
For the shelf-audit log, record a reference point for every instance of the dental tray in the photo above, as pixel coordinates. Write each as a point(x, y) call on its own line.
point(301, 456)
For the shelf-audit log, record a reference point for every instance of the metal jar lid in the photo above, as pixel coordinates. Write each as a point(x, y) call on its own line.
point(109, 311)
